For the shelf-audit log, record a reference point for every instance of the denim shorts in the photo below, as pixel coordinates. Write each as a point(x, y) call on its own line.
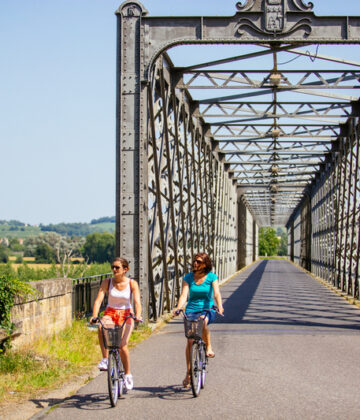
point(193, 316)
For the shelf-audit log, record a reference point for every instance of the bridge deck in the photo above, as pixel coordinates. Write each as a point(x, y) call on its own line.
point(287, 348)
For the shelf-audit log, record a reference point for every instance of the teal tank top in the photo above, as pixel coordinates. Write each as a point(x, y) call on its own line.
point(200, 296)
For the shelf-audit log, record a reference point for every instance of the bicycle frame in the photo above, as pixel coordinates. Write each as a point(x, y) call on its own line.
point(115, 371)
point(198, 359)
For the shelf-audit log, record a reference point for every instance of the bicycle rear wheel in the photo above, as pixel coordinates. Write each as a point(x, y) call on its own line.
point(203, 364)
point(195, 368)
point(113, 379)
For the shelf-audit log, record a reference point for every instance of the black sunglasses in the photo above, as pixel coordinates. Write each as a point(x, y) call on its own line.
point(116, 267)
point(199, 261)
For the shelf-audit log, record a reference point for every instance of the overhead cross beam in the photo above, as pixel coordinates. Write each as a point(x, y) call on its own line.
point(204, 129)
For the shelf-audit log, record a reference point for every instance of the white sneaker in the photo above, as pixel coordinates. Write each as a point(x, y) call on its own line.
point(129, 382)
point(103, 365)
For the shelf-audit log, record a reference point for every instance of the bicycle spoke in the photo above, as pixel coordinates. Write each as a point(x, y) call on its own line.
point(203, 364)
point(195, 368)
point(113, 379)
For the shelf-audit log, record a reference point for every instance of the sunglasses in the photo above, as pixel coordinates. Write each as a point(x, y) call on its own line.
point(198, 261)
point(116, 267)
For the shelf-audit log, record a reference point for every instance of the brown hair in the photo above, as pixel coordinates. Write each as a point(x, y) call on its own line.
point(124, 263)
point(206, 259)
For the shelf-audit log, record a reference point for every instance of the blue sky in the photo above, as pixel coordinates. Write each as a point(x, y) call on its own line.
point(57, 102)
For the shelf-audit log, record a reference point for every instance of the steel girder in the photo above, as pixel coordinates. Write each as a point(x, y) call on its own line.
point(334, 223)
point(192, 201)
point(181, 149)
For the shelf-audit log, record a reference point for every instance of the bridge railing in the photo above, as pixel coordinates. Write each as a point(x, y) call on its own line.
point(85, 290)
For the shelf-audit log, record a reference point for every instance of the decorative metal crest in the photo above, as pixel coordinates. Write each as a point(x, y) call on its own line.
point(132, 8)
point(274, 17)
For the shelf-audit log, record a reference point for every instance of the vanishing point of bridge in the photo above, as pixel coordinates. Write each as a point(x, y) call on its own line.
point(208, 151)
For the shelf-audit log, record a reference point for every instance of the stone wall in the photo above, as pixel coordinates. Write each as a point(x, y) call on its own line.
point(49, 312)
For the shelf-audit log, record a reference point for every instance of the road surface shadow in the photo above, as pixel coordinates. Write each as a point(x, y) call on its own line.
point(270, 297)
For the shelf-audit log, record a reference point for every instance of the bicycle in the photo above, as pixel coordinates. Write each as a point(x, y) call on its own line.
point(198, 358)
point(115, 371)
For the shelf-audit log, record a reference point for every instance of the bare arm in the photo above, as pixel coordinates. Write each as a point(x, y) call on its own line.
point(183, 297)
point(100, 297)
point(217, 296)
point(137, 301)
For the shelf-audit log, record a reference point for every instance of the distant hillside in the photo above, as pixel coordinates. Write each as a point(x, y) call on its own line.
point(9, 230)
point(16, 229)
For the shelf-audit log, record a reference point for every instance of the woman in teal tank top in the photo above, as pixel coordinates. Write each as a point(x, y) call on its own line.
point(200, 289)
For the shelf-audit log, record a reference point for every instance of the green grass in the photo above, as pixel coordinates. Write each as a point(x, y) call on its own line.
point(52, 362)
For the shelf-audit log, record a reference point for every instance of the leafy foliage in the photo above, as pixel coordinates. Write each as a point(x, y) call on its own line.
point(27, 272)
point(103, 220)
point(71, 229)
point(99, 247)
point(44, 254)
point(283, 249)
point(4, 258)
point(51, 247)
point(9, 288)
point(268, 241)
point(16, 229)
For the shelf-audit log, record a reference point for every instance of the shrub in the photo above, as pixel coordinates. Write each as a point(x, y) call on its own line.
point(9, 288)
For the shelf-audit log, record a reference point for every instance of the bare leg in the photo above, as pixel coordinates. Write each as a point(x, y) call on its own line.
point(124, 350)
point(206, 338)
point(186, 381)
point(104, 351)
point(107, 321)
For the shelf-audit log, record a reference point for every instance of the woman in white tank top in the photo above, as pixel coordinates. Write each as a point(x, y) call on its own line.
point(121, 290)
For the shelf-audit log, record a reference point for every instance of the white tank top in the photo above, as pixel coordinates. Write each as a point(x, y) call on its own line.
point(119, 299)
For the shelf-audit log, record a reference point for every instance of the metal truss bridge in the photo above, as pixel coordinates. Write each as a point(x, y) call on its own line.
point(263, 133)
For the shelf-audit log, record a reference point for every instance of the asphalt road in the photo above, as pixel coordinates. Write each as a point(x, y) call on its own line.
point(287, 348)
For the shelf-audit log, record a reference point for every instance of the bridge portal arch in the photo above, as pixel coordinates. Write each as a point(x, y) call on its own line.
point(190, 178)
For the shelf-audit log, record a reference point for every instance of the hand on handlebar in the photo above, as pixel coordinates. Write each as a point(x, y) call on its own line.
point(94, 320)
point(218, 311)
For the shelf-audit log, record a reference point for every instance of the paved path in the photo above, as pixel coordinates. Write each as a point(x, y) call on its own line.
point(288, 348)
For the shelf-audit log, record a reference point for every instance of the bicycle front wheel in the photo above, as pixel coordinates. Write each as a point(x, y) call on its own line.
point(113, 379)
point(195, 368)
point(203, 365)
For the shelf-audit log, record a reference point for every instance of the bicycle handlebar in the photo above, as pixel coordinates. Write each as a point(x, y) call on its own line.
point(97, 320)
point(215, 308)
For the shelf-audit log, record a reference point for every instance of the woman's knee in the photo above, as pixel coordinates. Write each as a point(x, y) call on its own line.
point(123, 348)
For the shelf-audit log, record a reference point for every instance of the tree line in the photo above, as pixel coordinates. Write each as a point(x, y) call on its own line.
point(52, 247)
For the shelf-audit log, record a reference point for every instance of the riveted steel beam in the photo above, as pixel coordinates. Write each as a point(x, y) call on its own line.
point(198, 155)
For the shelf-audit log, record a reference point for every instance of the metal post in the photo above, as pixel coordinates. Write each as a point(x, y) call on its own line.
point(131, 156)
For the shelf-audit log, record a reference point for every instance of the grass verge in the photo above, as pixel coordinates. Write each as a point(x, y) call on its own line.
point(51, 362)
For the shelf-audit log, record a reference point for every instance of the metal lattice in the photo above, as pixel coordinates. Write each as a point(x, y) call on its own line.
point(209, 151)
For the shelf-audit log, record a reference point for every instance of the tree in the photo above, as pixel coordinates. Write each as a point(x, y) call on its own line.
point(44, 254)
point(268, 241)
point(14, 245)
point(283, 249)
point(4, 258)
point(63, 248)
point(99, 247)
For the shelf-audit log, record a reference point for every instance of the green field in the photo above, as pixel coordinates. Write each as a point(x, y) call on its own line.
point(7, 231)
point(11, 231)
